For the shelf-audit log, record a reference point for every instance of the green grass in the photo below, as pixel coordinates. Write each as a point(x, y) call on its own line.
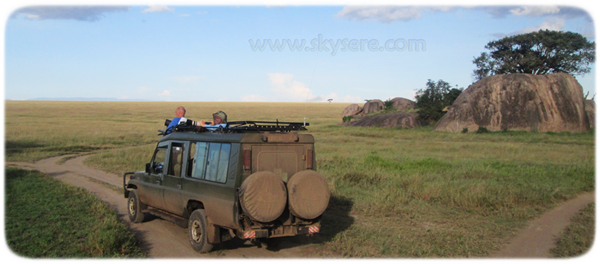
point(395, 192)
point(578, 237)
point(48, 219)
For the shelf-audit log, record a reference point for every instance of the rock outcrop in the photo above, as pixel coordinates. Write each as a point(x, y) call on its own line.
point(352, 110)
point(372, 106)
point(393, 120)
point(590, 110)
point(552, 102)
point(403, 104)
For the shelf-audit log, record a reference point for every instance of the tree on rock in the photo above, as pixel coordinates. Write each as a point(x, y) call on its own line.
point(432, 100)
point(539, 52)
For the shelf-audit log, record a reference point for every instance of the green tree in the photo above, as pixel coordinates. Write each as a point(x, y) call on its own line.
point(539, 52)
point(432, 99)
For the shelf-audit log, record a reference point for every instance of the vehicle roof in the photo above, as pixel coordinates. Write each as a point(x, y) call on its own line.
point(233, 137)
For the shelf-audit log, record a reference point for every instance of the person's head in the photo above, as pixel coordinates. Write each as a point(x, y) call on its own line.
point(219, 118)
point(180, 112)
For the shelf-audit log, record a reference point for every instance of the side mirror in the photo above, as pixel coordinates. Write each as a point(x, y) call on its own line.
point(148, 167)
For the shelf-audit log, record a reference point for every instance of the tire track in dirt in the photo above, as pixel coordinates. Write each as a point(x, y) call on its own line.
point(160, 238)
point(539, 235)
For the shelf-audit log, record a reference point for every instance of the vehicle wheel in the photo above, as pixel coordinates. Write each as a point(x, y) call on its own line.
point(134, 207)
point(197, 231)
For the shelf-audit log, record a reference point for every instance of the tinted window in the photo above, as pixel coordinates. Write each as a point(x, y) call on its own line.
point(159, 160)
point(176, 159)
point(212, 161)
point(199, 160)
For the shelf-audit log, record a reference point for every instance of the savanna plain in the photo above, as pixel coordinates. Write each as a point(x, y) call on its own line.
point(395, 192)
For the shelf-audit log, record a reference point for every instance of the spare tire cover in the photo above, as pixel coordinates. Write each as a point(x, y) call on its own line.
point(263, 196)
point(308, 194)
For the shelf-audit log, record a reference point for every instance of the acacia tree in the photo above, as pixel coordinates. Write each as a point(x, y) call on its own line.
point(539, 52)
point(432, 100)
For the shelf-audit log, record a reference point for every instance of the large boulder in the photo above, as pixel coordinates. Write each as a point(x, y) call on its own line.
point(590, 110)
point(393, 120)
point(352, 110)
point(552, 102)
point(372, 106)
point(403, 104)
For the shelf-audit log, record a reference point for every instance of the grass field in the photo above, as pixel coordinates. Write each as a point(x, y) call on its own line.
point(395, 192)
point(578, 237)
point(48, 219)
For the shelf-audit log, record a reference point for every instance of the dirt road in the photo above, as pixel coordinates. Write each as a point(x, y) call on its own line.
point(163, 239)
point(160, 238)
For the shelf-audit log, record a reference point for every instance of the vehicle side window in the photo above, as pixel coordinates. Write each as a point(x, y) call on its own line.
point(176, 159)
point(159, 160)
point(199, 160)
point(191, 160)
point(212, 161)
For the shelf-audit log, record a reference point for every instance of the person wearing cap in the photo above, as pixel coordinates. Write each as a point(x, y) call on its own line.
point(219, 120)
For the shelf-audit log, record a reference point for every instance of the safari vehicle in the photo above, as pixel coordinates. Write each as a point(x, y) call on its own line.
point(251, 180)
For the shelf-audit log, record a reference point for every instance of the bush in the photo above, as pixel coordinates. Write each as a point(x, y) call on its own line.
point(482, 129)
point(346, 119)
point(465, 130)
point(432, 100)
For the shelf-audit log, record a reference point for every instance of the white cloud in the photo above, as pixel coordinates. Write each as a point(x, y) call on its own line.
point(32, 16)
point(158, 9)
point(388, 11)
point(253, 98)
point(165, 93)
point(274, 3)
point(547, 7)
point(555, 24)
point(284, 86)
point(184, 15)
point(187, 79)
point(80, 13)
point(385, 14)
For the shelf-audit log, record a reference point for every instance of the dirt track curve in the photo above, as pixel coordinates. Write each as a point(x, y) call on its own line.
point(163, 239)
point(160, 238)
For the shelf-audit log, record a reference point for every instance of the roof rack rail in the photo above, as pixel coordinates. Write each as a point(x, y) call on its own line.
point(262, 126)
point(242, 127)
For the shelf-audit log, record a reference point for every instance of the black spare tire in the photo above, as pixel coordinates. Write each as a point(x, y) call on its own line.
point(308, 194)
point(263, 196)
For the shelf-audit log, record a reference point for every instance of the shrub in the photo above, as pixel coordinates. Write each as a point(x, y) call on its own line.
point(465, 130)
point(482, 129)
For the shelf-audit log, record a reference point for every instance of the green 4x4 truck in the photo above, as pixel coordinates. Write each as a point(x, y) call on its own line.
point(251, 179)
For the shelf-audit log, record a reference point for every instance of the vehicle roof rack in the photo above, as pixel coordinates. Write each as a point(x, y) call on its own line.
point(242, 127)
point(264, 126)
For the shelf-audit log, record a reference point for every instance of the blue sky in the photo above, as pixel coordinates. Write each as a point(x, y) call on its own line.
point(204, 53)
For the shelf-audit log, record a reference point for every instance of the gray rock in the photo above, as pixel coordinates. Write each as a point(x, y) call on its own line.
point(403, 104)
point(372, 106)
point(552, 102)
point(590, 111)
point(352, 110)
point(393, 120)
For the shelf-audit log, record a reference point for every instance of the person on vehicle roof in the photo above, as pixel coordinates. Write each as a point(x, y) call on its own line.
point(179, 118)
point(219, 120)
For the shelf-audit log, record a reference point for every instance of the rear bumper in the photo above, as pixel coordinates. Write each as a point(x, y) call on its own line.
point(281, 231)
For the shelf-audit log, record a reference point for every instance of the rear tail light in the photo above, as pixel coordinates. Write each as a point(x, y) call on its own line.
point(309, 158)
point(250, 234)
point(247, 159)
